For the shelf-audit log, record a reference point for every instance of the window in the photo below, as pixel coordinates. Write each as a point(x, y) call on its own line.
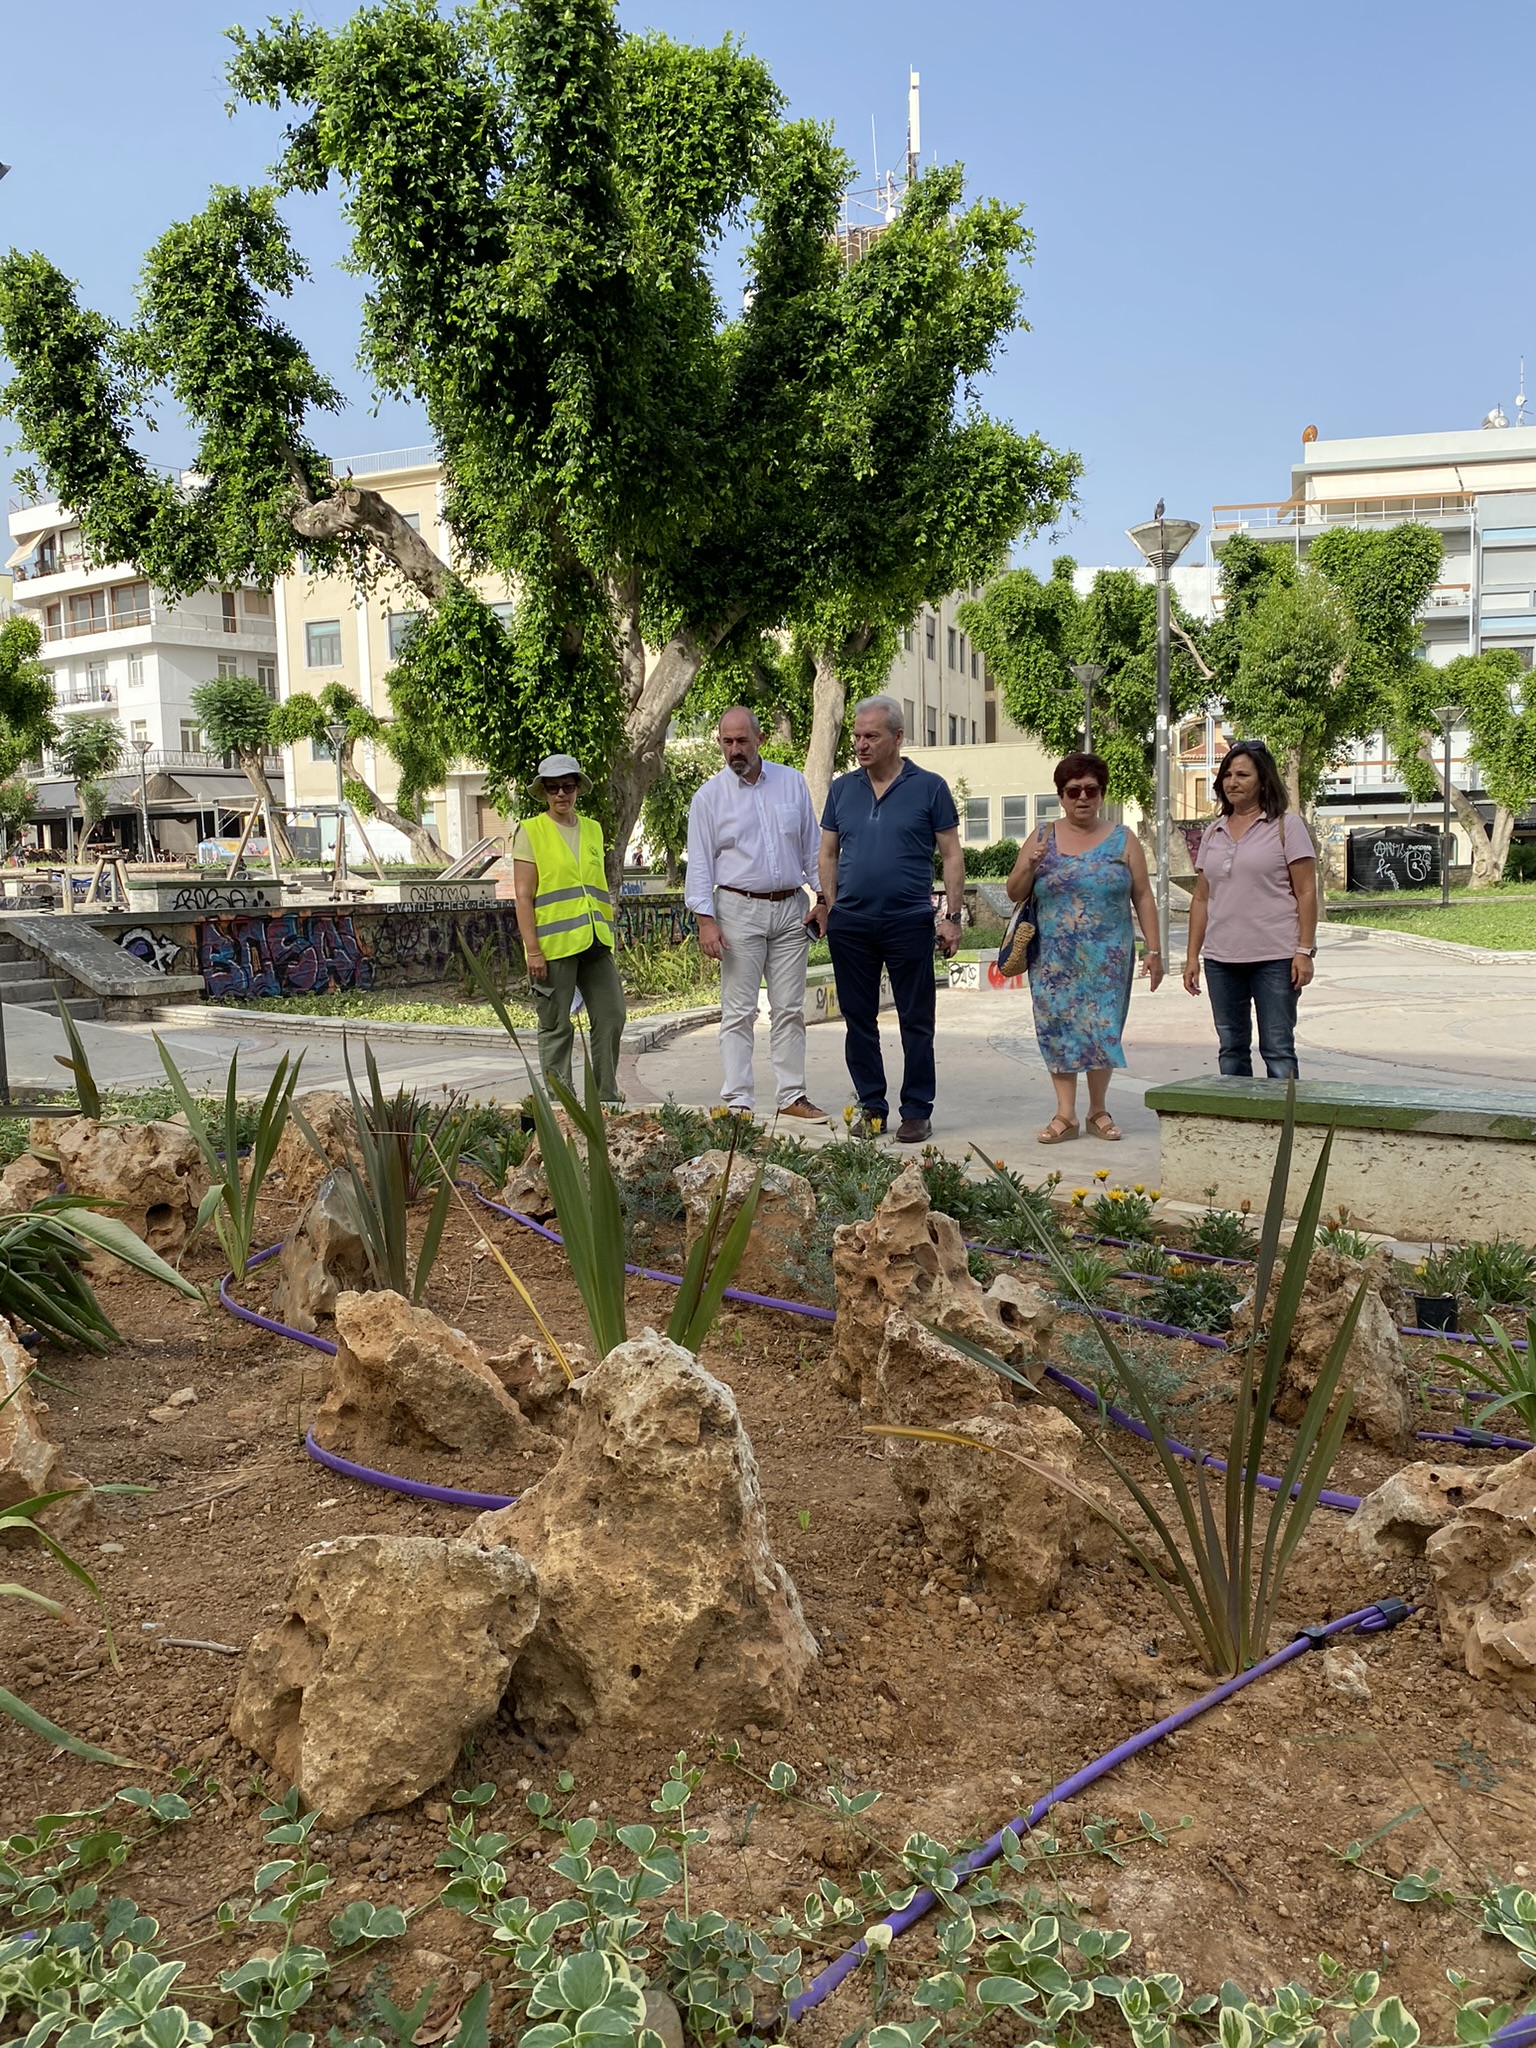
point(138, 730)
point(53, 622)
point(191, 736)
point(412, 520)
point(930, 635)
point(258, 604)
point(227, 611)
point(321, 750)
point(978, 819)
point(1503, 567)
point(973, 732)
point(322, 643)
point(135, 671)
point(229, 665)
point(504, 612)
point(1202, 794)
point(130, 604)
point(266, 675)
point(906, 639)
point(951, 639)
point(990, 719)
point(908, 722)
point(963, 645)
point(1047, 807)
point(975, 665)
point(933, 727)
point(96, 683)
point(88, 612)
point(953, 723)
point(400, 624)
point(1015, 817)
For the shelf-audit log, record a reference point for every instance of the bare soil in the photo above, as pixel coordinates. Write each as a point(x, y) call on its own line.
point(962, 1718)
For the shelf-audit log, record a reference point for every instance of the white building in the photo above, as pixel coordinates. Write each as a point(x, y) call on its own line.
point(116, 647)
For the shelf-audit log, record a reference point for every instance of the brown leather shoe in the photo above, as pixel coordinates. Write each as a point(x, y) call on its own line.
point(915, 1130)
point(805, 1110)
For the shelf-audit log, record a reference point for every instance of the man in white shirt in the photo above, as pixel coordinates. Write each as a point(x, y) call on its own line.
point(752, 846)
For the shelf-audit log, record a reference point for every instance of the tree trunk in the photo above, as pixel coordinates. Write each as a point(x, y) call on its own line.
point(829, 705)
point(1488, 855)
point(424, 846)
point(256, 775)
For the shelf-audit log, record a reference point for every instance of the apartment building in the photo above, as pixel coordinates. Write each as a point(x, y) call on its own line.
point(116, 647)
point(1476, 487)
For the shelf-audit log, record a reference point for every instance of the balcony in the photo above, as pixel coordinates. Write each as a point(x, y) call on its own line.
point(85, 693)
point(1289, 515)
point(116, 622)
point(1449, 597)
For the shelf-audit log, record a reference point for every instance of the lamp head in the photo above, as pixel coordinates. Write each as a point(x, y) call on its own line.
point(337, 735)
point(1162, 541)
point(1447, 715)
point(1087, 672)
point(143, 744)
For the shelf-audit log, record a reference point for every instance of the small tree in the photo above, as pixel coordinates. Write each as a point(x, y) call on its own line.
point(302, 717)
point(26, 695)
point(87, 749)
point(686, 766)
point(1498, 706)
point(18, 800)
point(235, 714)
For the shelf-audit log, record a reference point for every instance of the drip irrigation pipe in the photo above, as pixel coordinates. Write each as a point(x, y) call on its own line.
point(1476, 1439)
point(1115, 1315)
point(1345, 1502)
point(418, 1489)
point(1196, 1258)
point(1456, 1336)
point(1366, 1620)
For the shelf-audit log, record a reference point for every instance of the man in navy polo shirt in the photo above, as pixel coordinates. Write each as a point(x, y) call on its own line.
point(878, 832)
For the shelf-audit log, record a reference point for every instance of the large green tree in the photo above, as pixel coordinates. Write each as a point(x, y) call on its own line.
point(235, 714)
point(1497, 702)
point(1308, 656)
point(1030, 633)
point(534, 200)
point(26, 695)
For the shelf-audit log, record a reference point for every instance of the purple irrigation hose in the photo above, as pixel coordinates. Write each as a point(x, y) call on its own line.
point(1197, 1258)
point(1115, 1315)
point(269, 1323)
point(1345, 1502)
point(1516, 2033)
point(1476, 1439)
point(418, 1489)
point(1385, 1614)
point(794, 1308)
point(1456, 1336)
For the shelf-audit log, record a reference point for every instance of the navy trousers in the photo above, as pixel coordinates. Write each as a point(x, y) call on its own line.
point(904, 948)
point(1239, 990)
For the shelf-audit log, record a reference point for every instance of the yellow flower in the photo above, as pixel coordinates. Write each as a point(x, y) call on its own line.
point(848, 1116)
point(1102, 1173)
point(1175, 1271)
point(1422, 1268)
point(1156, 1195)
point(1079, 1196)
point(1140, 1188)
point(1117, 1194)
point(877, 1124)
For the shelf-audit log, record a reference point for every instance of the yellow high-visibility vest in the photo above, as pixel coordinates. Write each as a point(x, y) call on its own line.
point(571, 904)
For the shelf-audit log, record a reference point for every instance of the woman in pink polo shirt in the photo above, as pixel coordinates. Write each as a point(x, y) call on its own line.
point(1254, 913)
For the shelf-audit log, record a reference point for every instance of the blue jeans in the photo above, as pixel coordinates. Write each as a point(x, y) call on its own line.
point(904, 948)
point(1238, 989)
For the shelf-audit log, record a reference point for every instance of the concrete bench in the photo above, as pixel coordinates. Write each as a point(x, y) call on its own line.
point(1417, 1163)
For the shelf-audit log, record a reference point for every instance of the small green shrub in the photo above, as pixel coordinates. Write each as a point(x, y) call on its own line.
point(992, 863)
point(1087, 1277)
point(1339, 1235)
point(1194, 1298)
point(1497, 1272)
point(1223, 1233)
point(1123, 1212)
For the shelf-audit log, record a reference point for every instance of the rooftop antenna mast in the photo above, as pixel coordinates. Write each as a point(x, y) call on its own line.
point(914, 128)
point(1520, 397)
point(882, 200)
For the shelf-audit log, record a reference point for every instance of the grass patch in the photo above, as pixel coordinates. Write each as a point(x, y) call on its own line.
point(1501, 923)
point(381, 1006)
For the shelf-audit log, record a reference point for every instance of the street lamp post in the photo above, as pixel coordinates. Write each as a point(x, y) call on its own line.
point(1162, 541)
point(1447, 716)
point(1087, 673)
point(141, 747)
point(337, 735)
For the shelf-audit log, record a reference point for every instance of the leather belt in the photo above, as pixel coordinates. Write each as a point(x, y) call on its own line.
point(761, 895)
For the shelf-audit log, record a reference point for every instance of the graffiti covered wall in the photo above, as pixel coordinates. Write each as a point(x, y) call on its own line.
point(319, 950)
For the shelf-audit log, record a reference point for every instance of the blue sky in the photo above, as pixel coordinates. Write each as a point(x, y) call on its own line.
point(1246, 219)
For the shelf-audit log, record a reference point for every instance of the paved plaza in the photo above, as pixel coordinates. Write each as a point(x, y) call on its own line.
point(1379, 1012)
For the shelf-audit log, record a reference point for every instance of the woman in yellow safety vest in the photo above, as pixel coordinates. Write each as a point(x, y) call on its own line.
point(565, 916)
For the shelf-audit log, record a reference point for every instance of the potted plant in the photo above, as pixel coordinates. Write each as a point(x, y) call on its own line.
point(1436, 1278)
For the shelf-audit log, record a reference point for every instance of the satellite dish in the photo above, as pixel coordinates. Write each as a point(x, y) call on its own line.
point(1496, 418)
point(1308, 434)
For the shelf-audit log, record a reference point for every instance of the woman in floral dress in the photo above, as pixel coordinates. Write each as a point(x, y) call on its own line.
point(1086, 875)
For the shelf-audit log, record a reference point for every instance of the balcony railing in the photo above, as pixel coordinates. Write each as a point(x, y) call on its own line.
point(113, 622)
point(1452, 597)
point(1291, 513)
point(378, 465)
point(52, 565)
point(200, 624)
point(86, 693)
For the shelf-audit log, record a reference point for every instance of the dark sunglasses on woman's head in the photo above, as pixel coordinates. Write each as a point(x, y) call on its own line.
point(1247, 747)
point(564, 782)
point(1078, 789)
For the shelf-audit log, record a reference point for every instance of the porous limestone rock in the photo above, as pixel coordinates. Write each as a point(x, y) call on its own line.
point(1375, 1367)
point(786, 1208)
point(329, 1115)
point(30, 1461)
point(25, 1182)
point(920, 1380)
point(908, 1256)
point(323, 1256)
point(1026, 1309)
point(537, 1381)
point(661, 1604)
point(153, 1171)
point(393, 1651)
point(1398, 1519)
point(1484, 1562)
point(983, 1510)
point(638, 1144)
point(402, 1378)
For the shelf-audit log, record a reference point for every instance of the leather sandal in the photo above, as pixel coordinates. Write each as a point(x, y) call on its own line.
point(1056, 1132)
point(1102, 1125)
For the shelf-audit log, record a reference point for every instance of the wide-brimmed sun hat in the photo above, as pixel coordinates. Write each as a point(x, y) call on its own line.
point(563, 764)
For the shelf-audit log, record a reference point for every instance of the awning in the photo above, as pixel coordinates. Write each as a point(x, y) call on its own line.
point(23, 553)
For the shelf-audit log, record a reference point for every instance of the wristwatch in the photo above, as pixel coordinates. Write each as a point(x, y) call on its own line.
point(950, 917)
point(1310, 951)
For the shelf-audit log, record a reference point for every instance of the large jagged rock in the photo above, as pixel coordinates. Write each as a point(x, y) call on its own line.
point(402, 1378)
point(910, 1257)
point(1376, 1368)
point(25, 1182)
point(154, 1172)
point(393, 1651)
point(329, 1115)
point(786, 1208)
point(921, 1381)
point(30, 1461)
point(323, 1257)
point(981, 1510)
point(1398, 1519)
point(661, 1604)
point(538, 1383)
point(1484, 1562)
point(639, 1145)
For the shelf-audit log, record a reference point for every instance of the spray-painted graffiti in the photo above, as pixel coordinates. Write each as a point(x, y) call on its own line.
point(161, 950)
point(412, 945)
point(638, 919)
point(296, 953)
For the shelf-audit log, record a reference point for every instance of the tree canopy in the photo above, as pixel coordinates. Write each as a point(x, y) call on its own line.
point(26, 695)
point(1496, 699)
point(535, 199)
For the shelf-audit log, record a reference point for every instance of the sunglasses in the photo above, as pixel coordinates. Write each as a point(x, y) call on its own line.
point(1081, 789)
point(562, 785)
